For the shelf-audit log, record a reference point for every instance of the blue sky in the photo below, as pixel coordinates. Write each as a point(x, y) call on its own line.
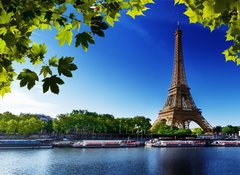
point(129, 72)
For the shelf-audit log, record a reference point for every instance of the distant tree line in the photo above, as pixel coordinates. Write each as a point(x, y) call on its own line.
point(76, 122)
point(163, 129)
point(229, 129)
point(83, 121)
point(23, 124)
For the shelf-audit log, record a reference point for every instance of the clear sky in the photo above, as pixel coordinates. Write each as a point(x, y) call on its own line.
point(129, 72)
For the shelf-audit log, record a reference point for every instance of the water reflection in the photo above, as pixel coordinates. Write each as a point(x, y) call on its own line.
point(134, 161)
point(182, 161)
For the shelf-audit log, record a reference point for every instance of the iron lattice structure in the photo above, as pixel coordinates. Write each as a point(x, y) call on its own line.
point(179, 109)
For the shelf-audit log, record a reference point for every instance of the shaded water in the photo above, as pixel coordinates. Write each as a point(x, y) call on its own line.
point(127, 161)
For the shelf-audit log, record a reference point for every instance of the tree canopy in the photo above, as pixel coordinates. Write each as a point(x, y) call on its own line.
point(26, 124)
point(19, 18)
point(82, 121)
point(216, 13)
point(163, 129)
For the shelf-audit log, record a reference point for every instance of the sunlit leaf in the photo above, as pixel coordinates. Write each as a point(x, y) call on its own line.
point(4, 16)
point(36, 53)
point(65, 35)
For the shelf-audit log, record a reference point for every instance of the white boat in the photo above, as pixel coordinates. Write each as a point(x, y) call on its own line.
point(179, 143)
point(62, 143)
point(226, 143)
point(105, 143)
point(151, 142)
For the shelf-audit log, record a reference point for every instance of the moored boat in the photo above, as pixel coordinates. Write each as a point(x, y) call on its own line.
point(130, 143)
point(25, 144)
point(63, 143)
point(225, 143)
point(105, 143)
point(179, 143)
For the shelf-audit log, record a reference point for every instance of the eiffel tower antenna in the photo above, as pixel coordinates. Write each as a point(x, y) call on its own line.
point(179, 109)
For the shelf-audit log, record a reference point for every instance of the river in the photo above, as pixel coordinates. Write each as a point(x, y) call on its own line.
point(121, 161)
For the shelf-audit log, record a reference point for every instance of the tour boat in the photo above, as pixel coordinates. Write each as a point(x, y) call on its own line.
point(25, 144)
point(226, 143)
point(62, 143)
point(105, 143)
point(179, 143)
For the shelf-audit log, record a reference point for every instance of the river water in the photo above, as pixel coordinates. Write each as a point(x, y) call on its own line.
point(121, 161)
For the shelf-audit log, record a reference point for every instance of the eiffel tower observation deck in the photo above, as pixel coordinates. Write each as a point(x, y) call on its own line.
point(179, 109)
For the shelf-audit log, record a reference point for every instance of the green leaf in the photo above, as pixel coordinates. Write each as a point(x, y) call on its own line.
point(229, 35)
point(97, 26)
point(125, 5)
point(53, 61)
point(45, 71)
point(179, 2)
point(13, 29)
point(48, 15)
point(61, 21)
point(4, 89)
point(65, 35)
point(28, 15)
point(3, 75)
point(147, 1)
point(3, 47)
point(235, 29)
point(76, 24)
point(72, 16)
point(238, 61)
point(27, 77)
point(52, 83)
point(32, 28)
point(109, 20)
point(193, 17)
point(36, 53)
point(66, 66)
point(134, 12)
point(83, 39)
point(220, 6)
point(3, 30)
point(62, 8)
point(44, 26)
point(5, 17)
point(230, 54)
point(208, 10)
point(18, 55)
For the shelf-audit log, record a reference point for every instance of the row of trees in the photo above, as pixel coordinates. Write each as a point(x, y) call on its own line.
point(163, 129)
point(78, 121)
point(23, 124)
point(82, 121)
point(229, 129)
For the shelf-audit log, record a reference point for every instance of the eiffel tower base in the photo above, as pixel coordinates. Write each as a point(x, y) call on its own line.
point(182, 119)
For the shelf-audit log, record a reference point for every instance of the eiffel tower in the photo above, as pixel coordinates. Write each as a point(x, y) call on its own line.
point(179, 109)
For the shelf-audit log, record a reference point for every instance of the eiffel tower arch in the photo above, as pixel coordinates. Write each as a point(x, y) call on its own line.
point(179, 109)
